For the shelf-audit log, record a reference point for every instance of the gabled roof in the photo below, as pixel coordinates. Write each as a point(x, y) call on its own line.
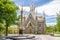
point(30, 24)
point(30, 18)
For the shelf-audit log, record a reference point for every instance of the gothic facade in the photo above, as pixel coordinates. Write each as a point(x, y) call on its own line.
point(33, 23)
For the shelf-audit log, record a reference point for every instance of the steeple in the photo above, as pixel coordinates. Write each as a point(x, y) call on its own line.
point(44, 21)
point(32, 10)
point(36, 14)
point(32, 7)
point(44, 14)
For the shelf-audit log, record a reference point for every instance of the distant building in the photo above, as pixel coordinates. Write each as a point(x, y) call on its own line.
point(33, 23)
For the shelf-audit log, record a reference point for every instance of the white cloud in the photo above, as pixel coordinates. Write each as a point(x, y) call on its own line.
point(50, 8)
point(51, 24)
point(26, 9)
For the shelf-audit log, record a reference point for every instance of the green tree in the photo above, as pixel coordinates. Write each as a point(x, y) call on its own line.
point(58, 22)
point(7, 13)
point(49, 29)
point(1, 28)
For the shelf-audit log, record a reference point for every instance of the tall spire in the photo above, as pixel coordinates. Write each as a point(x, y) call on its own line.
point(32, 7)
point(36, 14)
point(44, 14)
point(21, 14)
point(32, 10)
point(44, 21)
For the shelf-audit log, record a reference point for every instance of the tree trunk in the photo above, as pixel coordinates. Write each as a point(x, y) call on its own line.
point(6, 29)
point(0, 32)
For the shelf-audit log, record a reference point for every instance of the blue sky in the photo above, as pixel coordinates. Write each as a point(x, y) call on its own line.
point(49, 6)
point(28, 2)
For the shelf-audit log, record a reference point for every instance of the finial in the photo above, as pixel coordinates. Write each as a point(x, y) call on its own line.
point(21, 7)
point(44, 14)
point(36, 12)
point(32, 7)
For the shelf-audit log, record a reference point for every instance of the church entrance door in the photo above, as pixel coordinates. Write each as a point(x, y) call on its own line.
point(30, 31)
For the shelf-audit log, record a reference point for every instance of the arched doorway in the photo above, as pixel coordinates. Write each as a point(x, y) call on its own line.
point(29, 29)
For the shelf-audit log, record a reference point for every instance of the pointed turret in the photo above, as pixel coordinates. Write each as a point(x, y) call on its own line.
point(32, 7)
point(44, 21)
point(36, 14)
point(43, 14)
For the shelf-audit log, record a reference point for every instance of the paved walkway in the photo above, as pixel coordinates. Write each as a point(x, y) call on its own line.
point(46, 37)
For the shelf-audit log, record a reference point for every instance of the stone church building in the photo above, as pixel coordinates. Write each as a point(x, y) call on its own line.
point(33, 23)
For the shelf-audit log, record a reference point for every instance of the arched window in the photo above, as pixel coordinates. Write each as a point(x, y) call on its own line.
point(39, 24)
point(30, 24)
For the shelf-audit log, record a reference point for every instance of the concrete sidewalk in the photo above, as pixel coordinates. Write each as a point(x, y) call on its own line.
point(46, 37)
